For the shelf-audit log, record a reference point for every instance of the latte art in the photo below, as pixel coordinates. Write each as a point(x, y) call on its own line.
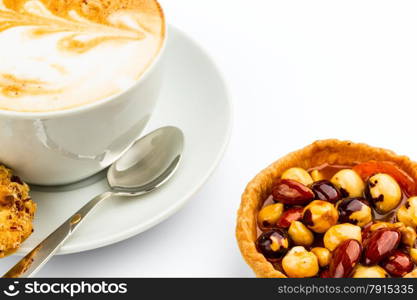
point(71, 52)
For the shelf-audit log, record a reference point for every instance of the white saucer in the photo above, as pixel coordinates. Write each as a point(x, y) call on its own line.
point(195, 99)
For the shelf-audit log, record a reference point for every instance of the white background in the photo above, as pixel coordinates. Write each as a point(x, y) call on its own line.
point(298, 71)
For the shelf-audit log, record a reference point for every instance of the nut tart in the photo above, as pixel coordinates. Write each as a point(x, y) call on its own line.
point(332, 209)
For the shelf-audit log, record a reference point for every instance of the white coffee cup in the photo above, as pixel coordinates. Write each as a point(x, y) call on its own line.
point(61, 147)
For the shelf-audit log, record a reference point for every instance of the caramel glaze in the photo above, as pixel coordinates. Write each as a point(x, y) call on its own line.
point(12, 86)
point(328, 171)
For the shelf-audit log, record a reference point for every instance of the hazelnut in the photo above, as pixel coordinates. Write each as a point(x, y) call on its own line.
point(298, 174)
point(354, 210)
point(291, 192)
point(408, 235)
point(326, 191)
point(323, 255)
point(349, 183)
point(289, 216)
point(344, 258)
point(380, 244)
point(300, 234)
point(380, 224)
point(340, 233)
point(320, 215)
point(398, 263)
point(299, 263)
point(269, 215)
point(408, 212)
point(412, 274)
point(413, 255)
point(369, 272)
point(273, 244)
point(317, 175)
point(384, 192)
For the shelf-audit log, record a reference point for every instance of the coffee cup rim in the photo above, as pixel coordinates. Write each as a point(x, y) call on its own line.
point(95, 104)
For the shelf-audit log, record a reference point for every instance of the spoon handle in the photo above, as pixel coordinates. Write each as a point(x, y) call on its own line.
point(35, 259)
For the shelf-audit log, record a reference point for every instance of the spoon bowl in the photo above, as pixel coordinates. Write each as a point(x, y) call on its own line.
point(148, 164)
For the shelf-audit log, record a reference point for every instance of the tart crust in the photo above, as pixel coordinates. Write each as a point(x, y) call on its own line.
point(334, 152)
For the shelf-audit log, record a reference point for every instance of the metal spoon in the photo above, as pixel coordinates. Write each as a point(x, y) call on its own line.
point(147, 165)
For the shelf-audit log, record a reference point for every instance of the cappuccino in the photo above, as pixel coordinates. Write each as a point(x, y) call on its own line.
point(61, 54)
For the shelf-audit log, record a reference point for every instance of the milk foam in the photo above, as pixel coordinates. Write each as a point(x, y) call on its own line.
point(48, 62)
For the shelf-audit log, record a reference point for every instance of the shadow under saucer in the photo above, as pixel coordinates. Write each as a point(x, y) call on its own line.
point(72, 186)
